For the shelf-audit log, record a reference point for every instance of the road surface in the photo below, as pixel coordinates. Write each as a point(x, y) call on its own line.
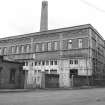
point(55, 97)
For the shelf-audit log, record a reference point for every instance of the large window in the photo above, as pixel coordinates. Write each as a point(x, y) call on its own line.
point(4, 50)
point(55, 62)
point(37, 47)
point(0, 51)
point(13, 49)
point(12, 75)
point(28, 48)
point(43, 47)
point(49, 46)
point(47, 62)
point(71, 61)
point(80, 42)
point(22, 49)
point(69, 44)
point(51, 62)
point(35, 63)
point(55, 45)
point(17, 49)
point(43, 63)
point(76, 61)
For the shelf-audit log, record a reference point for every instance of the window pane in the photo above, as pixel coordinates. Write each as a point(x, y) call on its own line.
point(53, 71)
point(39, 71)
point(39, 63)
point(49, 46)
point(55, 62)
point(43, 46)
point(26, 63)
point(35, 71)
point(28, 48)
point(37, 47)
point(55, 45)
point(46, 71)
point(71, 61)
point(47, 62)
point(5, 51)
point(17, 49)
point(76, 61)
point(43, 63)
point(51, 62)
point(13, 49)
point(69, 44)
point(80, 43)
point(35, 63)
point(0, 51)
point(22, 49)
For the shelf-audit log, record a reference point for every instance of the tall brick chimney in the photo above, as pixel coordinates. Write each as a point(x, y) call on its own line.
point(44, 16)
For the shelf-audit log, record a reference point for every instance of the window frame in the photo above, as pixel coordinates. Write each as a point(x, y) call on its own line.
point(69, 44)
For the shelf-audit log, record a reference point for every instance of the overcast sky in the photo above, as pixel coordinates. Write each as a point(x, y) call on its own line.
point(23, 16)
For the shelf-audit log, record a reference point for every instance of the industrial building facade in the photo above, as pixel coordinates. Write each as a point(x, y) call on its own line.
point(53, 57)
point(66, 57)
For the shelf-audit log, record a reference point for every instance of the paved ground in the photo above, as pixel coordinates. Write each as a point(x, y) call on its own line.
point(55, 97)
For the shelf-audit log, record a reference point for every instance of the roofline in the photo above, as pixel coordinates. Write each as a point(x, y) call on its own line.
point(53, 31)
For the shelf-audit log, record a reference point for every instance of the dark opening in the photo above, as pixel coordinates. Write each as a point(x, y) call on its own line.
point(12, 75)
point(73, 72)
point(51, 80)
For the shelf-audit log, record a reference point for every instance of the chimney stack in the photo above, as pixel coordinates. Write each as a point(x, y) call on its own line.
point(44, 16)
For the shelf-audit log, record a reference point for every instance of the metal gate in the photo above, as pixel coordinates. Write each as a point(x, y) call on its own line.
point(51, 80)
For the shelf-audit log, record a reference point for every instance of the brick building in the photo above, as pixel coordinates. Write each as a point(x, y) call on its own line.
point(60, 57)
